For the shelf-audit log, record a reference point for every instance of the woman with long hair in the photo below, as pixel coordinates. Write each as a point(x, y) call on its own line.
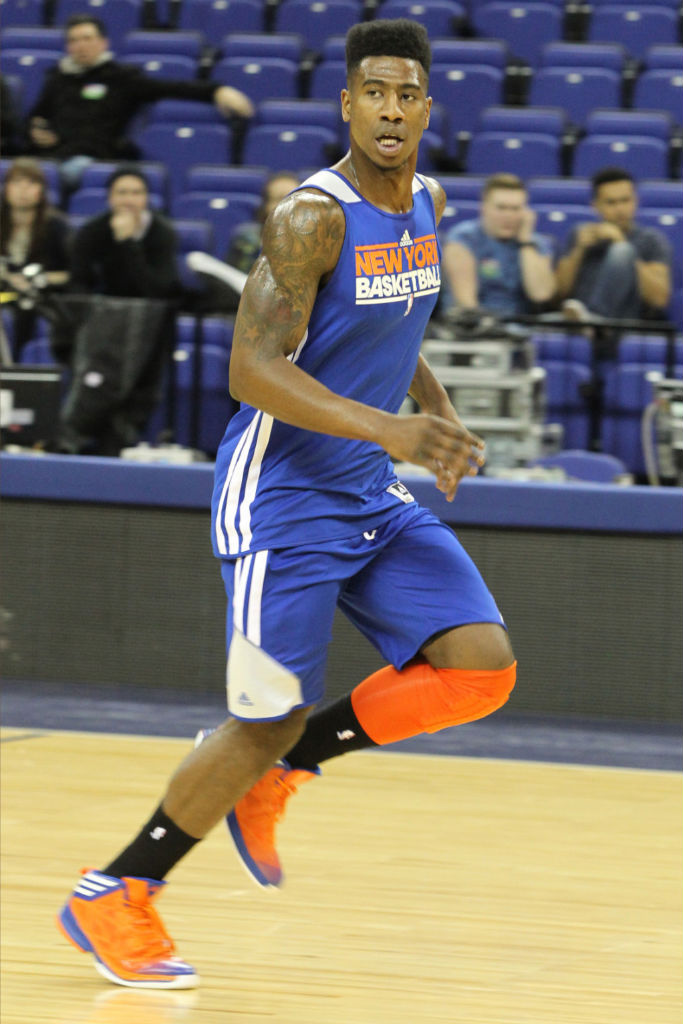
point(33, 243)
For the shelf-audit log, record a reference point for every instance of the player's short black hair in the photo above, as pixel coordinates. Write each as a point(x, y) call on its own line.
point(125, 171)
point(396, 37)
point(607, 175)
point(86, 19)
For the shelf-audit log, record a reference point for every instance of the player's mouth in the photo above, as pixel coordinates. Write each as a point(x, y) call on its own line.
point(388, 143)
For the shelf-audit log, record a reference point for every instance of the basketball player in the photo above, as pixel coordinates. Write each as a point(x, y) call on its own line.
point(308, 513)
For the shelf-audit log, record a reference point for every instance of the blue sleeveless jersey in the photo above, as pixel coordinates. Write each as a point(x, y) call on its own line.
point(277, 485)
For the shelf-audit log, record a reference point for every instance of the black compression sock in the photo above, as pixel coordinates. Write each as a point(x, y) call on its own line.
point(153, 853)
point(329, 732)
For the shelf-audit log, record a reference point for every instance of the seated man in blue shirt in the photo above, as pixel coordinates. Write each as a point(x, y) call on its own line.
point(612, 267)
point(498, 263)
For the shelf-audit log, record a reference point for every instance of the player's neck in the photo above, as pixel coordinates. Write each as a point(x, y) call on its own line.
point(389, 190)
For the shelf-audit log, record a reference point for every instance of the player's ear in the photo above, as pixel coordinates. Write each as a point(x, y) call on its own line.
point(428, 110)
point(346, 105)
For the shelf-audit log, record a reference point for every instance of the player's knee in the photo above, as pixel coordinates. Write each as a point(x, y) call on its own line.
point(467, 695)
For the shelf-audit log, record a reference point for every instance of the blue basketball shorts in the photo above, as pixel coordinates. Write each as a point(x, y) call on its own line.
point(400, 584)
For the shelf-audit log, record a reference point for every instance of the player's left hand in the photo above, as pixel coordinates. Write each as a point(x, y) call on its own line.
point(231, 101)
point(446, 479)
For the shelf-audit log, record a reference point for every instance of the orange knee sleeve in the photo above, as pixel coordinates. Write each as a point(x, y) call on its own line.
point(392, 705)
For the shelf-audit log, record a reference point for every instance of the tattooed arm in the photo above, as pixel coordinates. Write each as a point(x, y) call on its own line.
point(301, 244)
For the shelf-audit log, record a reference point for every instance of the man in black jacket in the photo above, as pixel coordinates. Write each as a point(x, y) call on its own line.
point(120, 260)
point(88, 99)
point(129, 250)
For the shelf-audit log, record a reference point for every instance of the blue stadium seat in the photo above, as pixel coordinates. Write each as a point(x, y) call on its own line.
point(167, 44)
point(328, 78)
point(465, 91)
point(559, 54)
point(96, 175)
point(224, 212)
point(22, 12)
point(560, 347)
point(575, 89)
point(456, 211)
point(635, 140)
point(643, 157)
point(223, 180)
point(180, 146)
point(38, 351)
point(288, 46)
point(462, 186)
point(668, 58)
point(626, 394)
point(215, 406)
point(291, 113)
point(558, 220)
point(525, 27)
point(662, 195)
point(670, 223)
point(431, 151)
point(267, 78)
point(29, 66)
point(565, 402)
point(653, 123)
point(160, 66)
point(439, 17)
point(637, 27)
point(580, 464)
point(315, 21)
point(492, 53)
point(660, 89)
point(192, 235)
point(212, 16)
point(522, 153)
point(641, 348)
point(545, 120)
point(182, 112)
point(290, 148)
point(33, 39)
point(559, 191)
point(119, 16)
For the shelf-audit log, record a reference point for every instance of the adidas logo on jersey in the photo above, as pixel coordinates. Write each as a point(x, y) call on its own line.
point(405, 239)
point(245, 700)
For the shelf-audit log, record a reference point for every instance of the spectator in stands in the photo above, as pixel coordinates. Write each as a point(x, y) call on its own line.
point(129, 250)
point(613, 267)
point(117, 349)
point(245, 244)
point(88, 100)
point(498, 263)
point(33, 244)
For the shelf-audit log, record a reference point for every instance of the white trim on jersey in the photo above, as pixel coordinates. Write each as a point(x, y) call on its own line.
point(232, 488)
point(233, 516)
point(241, 575)
point(253, 631)
point(333, 183)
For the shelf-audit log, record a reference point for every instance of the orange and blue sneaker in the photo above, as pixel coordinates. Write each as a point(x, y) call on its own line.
point(114, 919)
point(252, 821)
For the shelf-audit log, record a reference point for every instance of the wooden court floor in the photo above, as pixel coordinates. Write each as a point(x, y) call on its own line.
point(420, 890)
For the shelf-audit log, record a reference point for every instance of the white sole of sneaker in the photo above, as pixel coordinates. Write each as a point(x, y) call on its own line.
point(180, 981)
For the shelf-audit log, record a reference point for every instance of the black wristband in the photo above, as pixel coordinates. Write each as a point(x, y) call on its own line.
point(527, 245)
